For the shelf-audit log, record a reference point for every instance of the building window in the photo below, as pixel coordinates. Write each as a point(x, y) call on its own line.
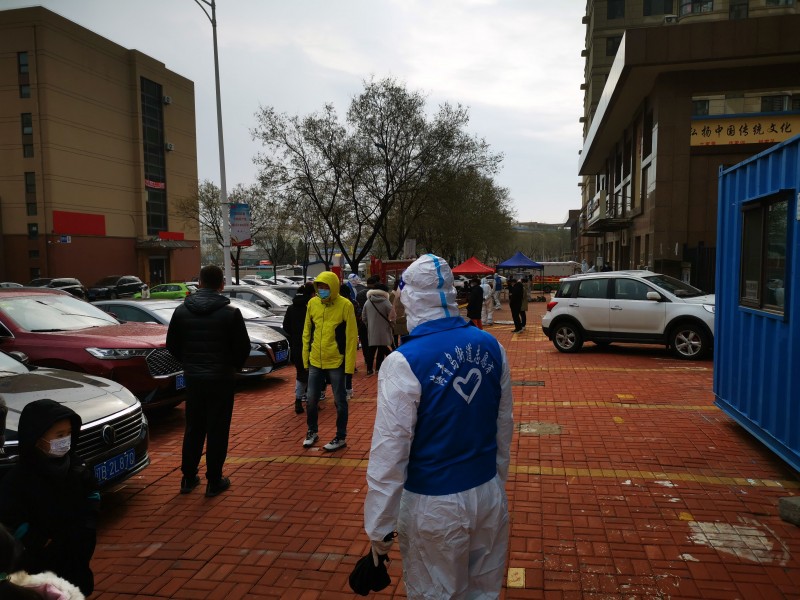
point(154, 165)
point(763, 253)
point(33, 254)
point(30, 209)
point(780, 2)
point(689, 7)
point(738, 9)
point(699, 108)
point(775, 103)
point(27, 124)
point(30, 183)
point(22, 62)
point(616, 9)
point(25, 91)
point(657, 7)
point(27, 150)
point(612, 45)
point(33, 231)
point(647, 134)
point(36, 272)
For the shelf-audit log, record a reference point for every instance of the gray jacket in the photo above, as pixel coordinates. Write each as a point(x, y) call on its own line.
point(377, 314)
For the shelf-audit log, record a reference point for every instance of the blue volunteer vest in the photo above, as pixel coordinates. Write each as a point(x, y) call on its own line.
point(455, 441)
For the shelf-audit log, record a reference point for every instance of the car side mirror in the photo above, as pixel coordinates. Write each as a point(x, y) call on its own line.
point(654, 296)
point(19, 356)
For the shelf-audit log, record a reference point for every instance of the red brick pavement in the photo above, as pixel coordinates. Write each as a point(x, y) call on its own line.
point(626, 483)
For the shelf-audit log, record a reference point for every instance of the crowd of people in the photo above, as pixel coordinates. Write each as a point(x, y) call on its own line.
point(437, 376)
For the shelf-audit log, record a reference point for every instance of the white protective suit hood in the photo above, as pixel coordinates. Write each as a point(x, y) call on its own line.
point(427, 291)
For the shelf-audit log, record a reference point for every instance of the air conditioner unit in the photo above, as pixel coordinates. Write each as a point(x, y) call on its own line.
point(169, 147)
point(167, 99)
point(670, 19)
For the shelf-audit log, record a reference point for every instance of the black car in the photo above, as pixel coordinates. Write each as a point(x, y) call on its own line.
point(68, 284)
point(114, 435)
point(116, 286)
point(269, 348)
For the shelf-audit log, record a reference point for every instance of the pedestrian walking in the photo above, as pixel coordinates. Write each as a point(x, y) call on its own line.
point(498, 288)
point(49, 498)
point(523, 306)
point(330, 341)
point(208, 336)
point(378, 315)
point(399, 327)
point(487, 312)
point(515, 293)
point(440, 447)
point(361, 300)
point(475, 302)
point(293, 322)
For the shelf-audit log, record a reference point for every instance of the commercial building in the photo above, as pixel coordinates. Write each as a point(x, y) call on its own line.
point(97, 153)
point(675, 90)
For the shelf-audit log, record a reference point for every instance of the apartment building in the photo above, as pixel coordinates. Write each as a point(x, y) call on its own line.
point(674, 90)
point(97, 149)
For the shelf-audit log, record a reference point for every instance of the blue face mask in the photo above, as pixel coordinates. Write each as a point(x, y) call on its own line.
point(324, 294)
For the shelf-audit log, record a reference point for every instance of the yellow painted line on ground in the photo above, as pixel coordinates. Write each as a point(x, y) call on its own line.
point(355, 463)
point(600, 404)
point(516, 577)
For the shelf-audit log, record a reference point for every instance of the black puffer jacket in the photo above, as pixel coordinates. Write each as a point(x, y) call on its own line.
point(293, 322)
point(208, 336)
point(51, 503)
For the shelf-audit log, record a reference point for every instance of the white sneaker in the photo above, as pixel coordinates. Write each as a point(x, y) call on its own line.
point(334, 444)
point(311, 438)
point(349, 394)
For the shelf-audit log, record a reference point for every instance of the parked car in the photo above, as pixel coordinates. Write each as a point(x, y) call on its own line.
point(68, 284)
point(165, 291)
point(639, 307)
point(10, 284)
point(278, 280)
point(274, 301)
point(269, 349)
point(58, 330)
point(116, 286)
point(289, 290)
point(114, 435)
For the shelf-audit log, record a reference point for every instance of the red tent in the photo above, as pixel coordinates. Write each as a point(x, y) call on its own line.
point(472, 266)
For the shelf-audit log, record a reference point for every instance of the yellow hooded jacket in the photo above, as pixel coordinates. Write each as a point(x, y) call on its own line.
point(330, 334)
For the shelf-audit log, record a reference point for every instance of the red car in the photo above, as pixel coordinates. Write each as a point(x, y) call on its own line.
point(55, 329)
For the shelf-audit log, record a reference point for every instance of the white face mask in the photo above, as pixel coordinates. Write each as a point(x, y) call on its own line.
point(60, 446)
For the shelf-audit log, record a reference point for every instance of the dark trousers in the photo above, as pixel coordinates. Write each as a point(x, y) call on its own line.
point(515, 314)
point(316, 381)
point(523, 317)
point(209, 408)
point(378, 353)
point(369, 351)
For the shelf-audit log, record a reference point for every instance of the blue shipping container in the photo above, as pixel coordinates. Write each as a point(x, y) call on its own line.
point(757, 321)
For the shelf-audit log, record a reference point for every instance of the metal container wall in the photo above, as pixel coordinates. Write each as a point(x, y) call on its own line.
point(757, 353)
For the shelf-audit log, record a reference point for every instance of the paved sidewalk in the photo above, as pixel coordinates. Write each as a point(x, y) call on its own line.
point(626, 483)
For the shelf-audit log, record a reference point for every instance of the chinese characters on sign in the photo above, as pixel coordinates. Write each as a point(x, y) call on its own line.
point(756, 129)
point(240, 225)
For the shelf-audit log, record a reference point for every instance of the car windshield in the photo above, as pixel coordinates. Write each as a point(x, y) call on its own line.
point(250, 310)
point(10, 366)
point(276, 297)
point(57, 312)
point(107, 281)
point(675, 286)
point(41, 282)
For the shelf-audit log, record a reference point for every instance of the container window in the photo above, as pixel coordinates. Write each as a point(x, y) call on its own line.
point(763, 253)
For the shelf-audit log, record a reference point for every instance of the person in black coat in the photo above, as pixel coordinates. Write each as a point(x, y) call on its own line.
point(475, 302)
point(209, 337)
point(293, 322)
point(516, 291)
point(49, 499)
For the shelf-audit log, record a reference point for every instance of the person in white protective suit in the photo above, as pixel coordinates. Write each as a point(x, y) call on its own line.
point(440, 447)
point(487, 314)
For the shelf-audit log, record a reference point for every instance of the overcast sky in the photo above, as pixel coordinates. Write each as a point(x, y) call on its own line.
point(515, 64)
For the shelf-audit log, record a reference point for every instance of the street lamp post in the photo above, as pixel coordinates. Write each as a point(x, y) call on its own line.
point(223, 189)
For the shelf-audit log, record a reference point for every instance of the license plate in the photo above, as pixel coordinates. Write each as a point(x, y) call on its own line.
point(281, 355)
point(180, 382)
point(114, 467)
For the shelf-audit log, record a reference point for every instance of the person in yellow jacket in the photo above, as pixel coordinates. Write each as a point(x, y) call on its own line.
point(330, 343)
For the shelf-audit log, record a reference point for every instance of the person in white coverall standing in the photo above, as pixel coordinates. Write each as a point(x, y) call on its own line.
point(440, 446)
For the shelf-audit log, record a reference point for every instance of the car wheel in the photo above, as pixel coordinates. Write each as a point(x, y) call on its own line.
point(567, 337)
point(689, 341)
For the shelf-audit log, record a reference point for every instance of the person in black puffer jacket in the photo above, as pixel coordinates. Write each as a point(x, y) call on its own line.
point(49, 499)
point(293, 322)
point(209, 337)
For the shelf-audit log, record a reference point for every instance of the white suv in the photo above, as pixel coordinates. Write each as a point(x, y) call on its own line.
point(638, 307)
